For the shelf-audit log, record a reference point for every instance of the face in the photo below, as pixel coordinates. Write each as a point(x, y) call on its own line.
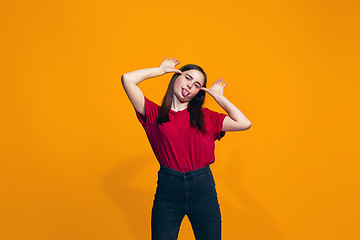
point(188, 84)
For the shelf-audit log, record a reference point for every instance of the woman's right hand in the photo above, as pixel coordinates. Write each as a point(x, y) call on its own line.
point(168, 65)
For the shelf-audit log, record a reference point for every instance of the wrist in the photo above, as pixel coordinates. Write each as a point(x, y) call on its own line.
point(158, 71)
point(161, 70)
point(218, 97)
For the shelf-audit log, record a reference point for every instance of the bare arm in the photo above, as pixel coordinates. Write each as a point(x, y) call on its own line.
point(236, 120)
point(132, 79)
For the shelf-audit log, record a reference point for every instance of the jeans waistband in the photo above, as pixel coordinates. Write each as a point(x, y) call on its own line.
point(189, 173)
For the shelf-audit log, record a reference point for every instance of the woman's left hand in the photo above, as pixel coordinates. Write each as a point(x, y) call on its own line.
point(217, 89)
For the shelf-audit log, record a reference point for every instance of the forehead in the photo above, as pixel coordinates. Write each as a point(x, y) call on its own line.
point(198, 76)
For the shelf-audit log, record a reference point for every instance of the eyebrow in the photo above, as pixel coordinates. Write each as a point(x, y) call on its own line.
point(193, 78)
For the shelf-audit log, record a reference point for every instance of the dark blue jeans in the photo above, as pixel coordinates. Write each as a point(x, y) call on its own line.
point(191, 193)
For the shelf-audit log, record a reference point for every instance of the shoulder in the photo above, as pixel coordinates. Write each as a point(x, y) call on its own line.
point(209, 113)
point(151, 112)
point(212, 116)
point(214, 121)
point(148, 101)
point(150, 105)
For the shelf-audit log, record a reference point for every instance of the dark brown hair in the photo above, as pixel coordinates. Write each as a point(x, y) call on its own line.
point(194, 106)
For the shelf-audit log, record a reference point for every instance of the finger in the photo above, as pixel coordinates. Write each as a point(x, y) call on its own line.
point(204, 89)
point(176, 70)
point(225, 84)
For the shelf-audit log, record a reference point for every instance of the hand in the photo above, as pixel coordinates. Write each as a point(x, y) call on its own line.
point(217, 89)
point(168, 65)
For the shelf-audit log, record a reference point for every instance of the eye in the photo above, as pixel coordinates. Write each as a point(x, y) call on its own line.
point(187, 78)
point(197, 85)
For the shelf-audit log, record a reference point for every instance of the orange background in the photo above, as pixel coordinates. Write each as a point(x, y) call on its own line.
point(76, 163)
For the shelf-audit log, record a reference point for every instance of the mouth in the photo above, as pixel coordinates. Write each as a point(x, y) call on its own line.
point(184, 92)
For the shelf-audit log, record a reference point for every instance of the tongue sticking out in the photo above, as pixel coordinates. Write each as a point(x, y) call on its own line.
point(185, 92)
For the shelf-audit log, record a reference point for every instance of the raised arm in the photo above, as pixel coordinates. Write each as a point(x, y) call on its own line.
point(130, 81)
point(236, 120)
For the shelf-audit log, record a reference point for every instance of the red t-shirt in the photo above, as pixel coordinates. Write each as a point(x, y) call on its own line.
point(175, 143)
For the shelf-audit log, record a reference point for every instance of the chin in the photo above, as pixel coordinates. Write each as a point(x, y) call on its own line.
point(181, 98)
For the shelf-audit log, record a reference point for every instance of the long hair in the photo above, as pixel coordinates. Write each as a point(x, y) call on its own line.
point(194, 106)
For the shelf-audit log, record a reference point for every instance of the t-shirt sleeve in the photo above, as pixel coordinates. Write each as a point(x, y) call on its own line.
point(151, 113)
point(215, 121)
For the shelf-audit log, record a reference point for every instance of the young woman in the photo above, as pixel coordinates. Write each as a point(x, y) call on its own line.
point(182, 135)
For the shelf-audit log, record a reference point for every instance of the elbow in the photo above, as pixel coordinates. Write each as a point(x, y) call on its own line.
point(231, 125)
point(125, 81)
point(246, 127)
point(123, 77)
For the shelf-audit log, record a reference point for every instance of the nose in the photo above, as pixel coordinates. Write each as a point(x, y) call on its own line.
point(190, 84)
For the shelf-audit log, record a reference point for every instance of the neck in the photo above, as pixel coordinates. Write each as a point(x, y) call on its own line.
point(176, 105)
